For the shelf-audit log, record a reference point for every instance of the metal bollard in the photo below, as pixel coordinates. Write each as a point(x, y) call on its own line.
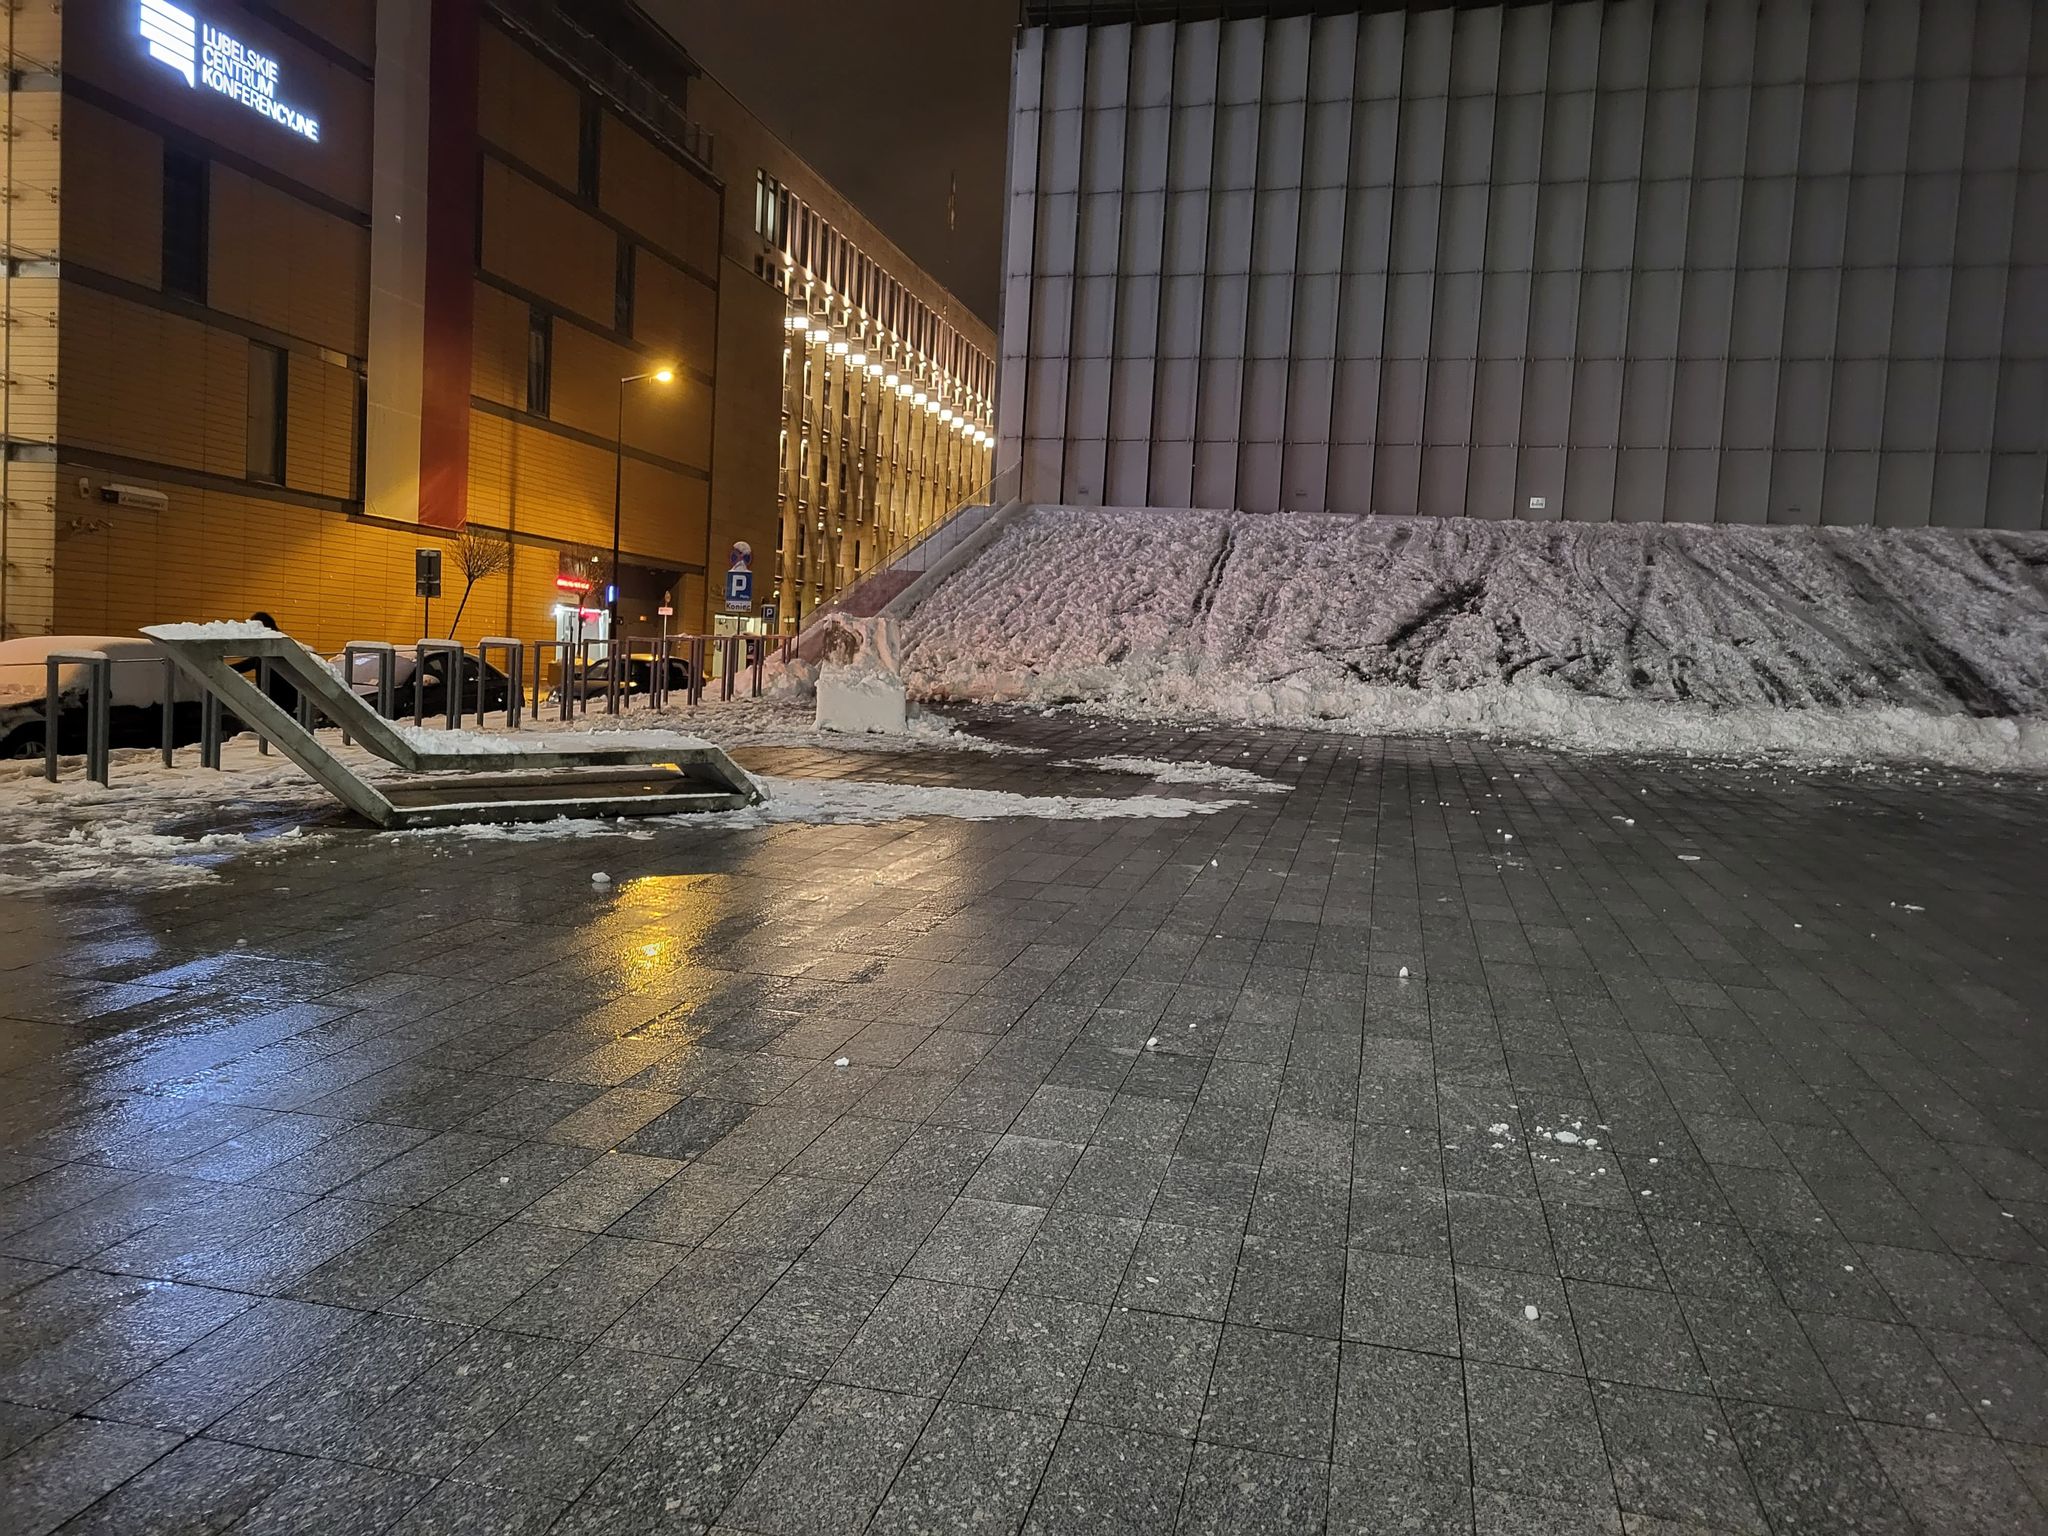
point(209, 730)
point(387, 662)
point(169, 741)
point(99, 711)
point(451, 685)
point(728, 666)
point(263, 686)
point(696, 670)
point(515, 668)
point(759, 649)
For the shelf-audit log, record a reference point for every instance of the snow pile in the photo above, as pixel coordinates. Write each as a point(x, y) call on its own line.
point(1166, 772)
point(218, 629)
point(1917, 645)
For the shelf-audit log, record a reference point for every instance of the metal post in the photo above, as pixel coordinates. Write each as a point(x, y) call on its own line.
point(52, 714)
point(452, 653)
point(169, 741)
point(209, 730)
point(99, 740)
point(696, 670)
point(611, 665)
point(515, 669)
point(263, 685)
point(583, 676)
point(758, 647)
point(386, 672)
point(728, 667)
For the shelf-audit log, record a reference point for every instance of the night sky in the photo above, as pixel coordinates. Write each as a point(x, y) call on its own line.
point(890, 100)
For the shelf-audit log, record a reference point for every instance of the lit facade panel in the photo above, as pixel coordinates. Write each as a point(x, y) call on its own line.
point(1744, 263)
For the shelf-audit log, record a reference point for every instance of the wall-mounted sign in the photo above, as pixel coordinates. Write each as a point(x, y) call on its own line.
point(207, 56)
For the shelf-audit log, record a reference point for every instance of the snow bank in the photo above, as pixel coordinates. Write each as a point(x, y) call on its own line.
point(217, 629)
point(1911, 645)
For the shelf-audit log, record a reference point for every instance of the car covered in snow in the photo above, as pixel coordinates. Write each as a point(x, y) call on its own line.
point(138, 687)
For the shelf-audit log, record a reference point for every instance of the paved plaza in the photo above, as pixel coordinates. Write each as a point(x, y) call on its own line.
point(1465, 1139)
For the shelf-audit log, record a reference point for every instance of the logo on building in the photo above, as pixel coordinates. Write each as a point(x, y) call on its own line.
point(173, 38)
point(207, 56)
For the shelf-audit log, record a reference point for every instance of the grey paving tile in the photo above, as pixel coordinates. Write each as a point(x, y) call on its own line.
point(1400, 1302)
point(692, 1457)
point(1938, 1290)
point(1515, 1318)
point(977, 1242)
point(1813, 1473)
point(1079, 1255)
point(974, 1471)
point(1885, 1372)
point(1952, 1483)
point(565, 1434)
point(1272, 1392)
point(807, 1317)
point(1364, 1503)
point(1635, 1336)
point(689, 1311)
point(915, 1338)
point(2006, 1380)
point(1102, 1478)
point(59, 1473)
point(1674, 1459)
point(470, 1509)
point(1183, 1269)
point(602, 1191)
point(834, 1463)
point(1231, 1491)
point(1149, 1372)
point(1031, 1354)
point(1759, 1353)
point(1290, 1283)
point(1535, 1433)
point(1401, 1417)
point(194, 1387)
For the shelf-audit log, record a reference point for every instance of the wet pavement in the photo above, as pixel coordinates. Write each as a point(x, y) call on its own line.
point(1467, 1139)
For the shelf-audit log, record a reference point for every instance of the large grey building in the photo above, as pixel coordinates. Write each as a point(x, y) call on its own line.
point(1682, 259)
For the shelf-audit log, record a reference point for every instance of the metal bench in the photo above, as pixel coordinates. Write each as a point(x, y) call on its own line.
point(454, 777)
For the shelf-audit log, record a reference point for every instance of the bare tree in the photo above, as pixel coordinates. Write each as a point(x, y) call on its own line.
point(478, 555)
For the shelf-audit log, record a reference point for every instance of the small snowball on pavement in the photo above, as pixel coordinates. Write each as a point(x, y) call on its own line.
point(600, 878)
point(1404, 972)
point(844, 1061)
point(1530, 1313)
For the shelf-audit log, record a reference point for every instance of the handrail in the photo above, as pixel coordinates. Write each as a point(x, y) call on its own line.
point(934, 540)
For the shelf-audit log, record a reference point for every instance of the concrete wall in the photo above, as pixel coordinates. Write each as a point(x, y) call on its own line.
point(1691, 260)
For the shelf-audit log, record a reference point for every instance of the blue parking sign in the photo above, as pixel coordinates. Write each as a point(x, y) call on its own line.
point(739, 591)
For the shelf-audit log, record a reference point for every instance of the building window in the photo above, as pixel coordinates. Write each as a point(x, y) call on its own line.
point(267, 399)
point(540, 360)
point(622, 299)
point(184, 253)
point(589, 147)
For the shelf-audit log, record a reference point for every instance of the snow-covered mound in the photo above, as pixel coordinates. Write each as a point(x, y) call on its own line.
point(1922, 644)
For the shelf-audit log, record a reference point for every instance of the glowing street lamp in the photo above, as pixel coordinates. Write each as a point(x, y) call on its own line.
point(659, 376)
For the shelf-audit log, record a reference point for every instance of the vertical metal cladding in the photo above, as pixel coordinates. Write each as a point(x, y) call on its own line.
point(1706, 261)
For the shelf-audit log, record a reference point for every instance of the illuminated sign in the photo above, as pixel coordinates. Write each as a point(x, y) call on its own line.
point(204, 55)
point(568, 583)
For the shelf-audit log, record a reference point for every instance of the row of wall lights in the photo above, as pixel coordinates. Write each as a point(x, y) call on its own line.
point(904, 388)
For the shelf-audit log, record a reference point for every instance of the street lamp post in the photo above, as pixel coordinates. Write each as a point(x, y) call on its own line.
point(660, 376)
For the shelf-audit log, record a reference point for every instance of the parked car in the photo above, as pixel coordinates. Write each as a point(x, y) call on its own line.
point(636, 675)
point(138, 688)
point(497, 689)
